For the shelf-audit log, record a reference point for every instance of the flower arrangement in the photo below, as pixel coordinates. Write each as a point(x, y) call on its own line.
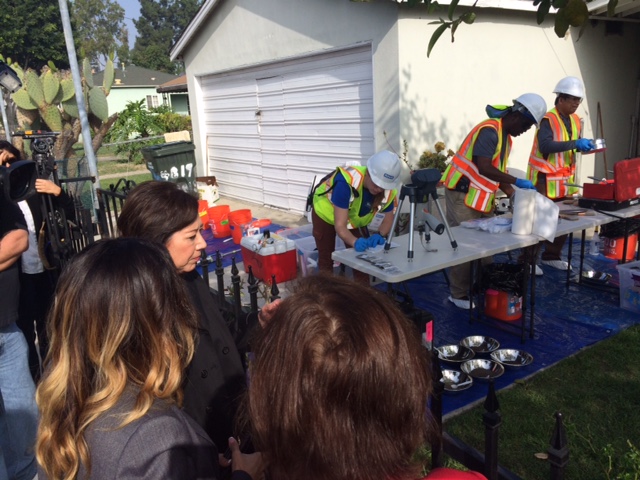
point(438, 159)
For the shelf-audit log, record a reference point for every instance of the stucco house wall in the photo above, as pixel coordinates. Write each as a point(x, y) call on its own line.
point(423, 100)
point(503, 54)
point(282, 29)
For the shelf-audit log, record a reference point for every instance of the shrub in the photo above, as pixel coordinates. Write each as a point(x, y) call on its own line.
point(436, 159)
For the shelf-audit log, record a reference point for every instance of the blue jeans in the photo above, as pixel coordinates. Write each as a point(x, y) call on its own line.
point(19, 417)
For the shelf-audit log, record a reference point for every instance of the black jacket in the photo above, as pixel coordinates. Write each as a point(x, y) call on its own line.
point(216, 377)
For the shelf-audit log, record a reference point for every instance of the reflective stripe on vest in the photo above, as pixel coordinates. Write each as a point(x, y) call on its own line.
point(355, 178)
point(481, 189)
point(559, 167)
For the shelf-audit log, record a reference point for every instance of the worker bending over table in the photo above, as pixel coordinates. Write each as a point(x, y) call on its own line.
point(346, 202)
point(552, 163)
point(479, 169)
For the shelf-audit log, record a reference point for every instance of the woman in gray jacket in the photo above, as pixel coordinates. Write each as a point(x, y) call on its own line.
point(122, 332)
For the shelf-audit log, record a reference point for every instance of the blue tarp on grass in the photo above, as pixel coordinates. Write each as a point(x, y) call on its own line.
point(566, 321)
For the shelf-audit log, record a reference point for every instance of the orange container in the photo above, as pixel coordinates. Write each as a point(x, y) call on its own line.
point(219, 220)
point(613, 247)
point(502, 305)
point(238, 220)
point(202, 211)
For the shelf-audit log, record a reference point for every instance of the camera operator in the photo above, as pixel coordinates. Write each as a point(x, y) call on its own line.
point(37, 280)
point(19, 415)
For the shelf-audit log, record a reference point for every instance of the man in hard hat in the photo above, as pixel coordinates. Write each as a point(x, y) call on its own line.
point(552, 163)
point(346, 201)
point(479, 169)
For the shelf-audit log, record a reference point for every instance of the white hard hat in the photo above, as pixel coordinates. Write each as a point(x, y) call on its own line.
point(570, 86)
point(533, 103)
point(385, 169)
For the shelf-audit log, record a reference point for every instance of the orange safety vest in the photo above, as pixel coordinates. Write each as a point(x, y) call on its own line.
point(560, 167)
point(482, 190)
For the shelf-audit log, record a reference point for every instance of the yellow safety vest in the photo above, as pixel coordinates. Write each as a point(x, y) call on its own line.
point(559, 167)
point(482, 190)
point(355, 178)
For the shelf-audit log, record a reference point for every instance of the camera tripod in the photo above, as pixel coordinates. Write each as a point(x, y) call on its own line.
point(58, 247)
point(422, 188)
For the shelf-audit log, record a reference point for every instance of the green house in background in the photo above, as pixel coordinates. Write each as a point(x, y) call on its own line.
point(133, 84)
point(175, 94)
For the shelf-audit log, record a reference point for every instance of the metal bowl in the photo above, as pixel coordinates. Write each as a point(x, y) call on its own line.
point(480, 343)
point(482, 369)
point(600, 146)
point(595, 277)
point(455, 381)
point(512, 357)
point(455, 353)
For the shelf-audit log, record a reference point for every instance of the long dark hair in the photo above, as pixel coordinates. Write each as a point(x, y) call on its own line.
point(121, 319)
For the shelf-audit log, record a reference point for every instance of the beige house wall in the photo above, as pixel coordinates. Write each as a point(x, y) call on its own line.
point(502, 55)
point(424, 100)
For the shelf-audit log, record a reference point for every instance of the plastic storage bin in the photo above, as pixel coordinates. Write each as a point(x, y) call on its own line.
point(306, 247)
point(268, 257)
point(629, 274)
point(173, 162)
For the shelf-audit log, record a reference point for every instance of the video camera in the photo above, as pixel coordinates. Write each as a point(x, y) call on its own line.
point(18, 181)
point(426, 181)
point(41, 149)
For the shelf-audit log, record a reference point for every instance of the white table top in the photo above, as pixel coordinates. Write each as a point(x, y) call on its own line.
point(472, 245)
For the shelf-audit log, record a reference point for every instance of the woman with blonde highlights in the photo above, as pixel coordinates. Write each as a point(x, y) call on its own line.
point(122, 332)
point(339, 387)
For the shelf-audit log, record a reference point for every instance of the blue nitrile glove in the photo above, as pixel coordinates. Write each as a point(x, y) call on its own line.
point(524, 183)
point(376, 239)
point(585, 145)
point(361, 244)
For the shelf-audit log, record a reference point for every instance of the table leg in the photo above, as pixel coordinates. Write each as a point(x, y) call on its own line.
point(582, 244)
point(569, 254)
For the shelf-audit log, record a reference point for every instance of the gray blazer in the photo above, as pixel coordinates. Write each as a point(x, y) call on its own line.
point(164, 444)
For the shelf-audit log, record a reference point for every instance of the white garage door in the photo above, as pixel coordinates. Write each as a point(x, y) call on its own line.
point(270, 129)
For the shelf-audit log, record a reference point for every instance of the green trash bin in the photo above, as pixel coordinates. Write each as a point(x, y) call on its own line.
point(173, 162)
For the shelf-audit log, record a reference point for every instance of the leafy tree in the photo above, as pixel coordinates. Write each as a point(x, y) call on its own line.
point(160, 25)
point(100, 29)
point(32, 34)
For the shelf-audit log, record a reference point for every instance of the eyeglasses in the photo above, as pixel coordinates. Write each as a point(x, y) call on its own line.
point(571, 98)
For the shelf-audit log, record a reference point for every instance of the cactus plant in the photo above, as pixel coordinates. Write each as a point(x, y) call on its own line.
point(48, 101)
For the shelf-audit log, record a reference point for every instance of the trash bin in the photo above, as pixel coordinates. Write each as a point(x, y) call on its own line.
point(173, 162)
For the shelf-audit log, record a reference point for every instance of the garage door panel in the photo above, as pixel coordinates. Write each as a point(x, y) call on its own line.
point(293, 119)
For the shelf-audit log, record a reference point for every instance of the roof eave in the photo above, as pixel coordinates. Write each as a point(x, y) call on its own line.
point(192, 28)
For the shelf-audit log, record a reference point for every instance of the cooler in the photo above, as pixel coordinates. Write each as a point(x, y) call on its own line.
point(271, 256)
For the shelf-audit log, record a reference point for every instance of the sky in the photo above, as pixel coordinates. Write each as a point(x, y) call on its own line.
point(131, 12)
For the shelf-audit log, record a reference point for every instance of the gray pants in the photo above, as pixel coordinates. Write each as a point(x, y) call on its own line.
point(456, 213)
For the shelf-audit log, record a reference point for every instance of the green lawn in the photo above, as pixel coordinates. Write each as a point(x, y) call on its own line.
point(598, 393)
point(138, 178)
